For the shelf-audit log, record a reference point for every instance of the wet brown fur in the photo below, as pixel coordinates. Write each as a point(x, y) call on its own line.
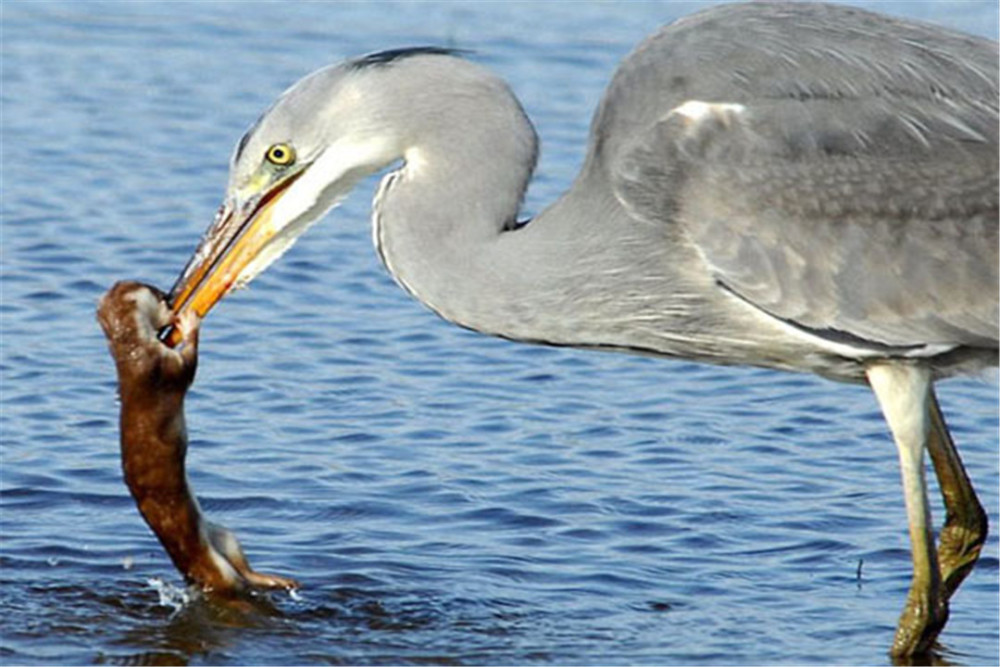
point(153, 380)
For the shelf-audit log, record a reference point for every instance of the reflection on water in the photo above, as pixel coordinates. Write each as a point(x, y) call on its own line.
point(443, 497)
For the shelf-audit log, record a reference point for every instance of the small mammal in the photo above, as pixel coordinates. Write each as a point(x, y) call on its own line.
point(152, 382)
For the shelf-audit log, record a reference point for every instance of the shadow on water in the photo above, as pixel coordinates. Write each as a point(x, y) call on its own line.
point(162, 632)
point(150, 624)
point(941, 657)
point(219, 630)
point(178, 629)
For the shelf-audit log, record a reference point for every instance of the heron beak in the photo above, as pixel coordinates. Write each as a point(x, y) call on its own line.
point(239, 234)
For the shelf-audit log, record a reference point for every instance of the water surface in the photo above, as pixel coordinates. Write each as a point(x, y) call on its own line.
point(442, 496)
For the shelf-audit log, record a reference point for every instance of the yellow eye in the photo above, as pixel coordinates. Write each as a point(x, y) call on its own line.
point(280, 154)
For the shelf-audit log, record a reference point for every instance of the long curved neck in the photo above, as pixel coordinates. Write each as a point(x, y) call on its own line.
point(579, 274)
point(444, 227)
point(441, 221)
point(438, 224)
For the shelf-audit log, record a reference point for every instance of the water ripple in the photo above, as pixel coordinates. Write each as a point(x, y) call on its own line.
point(444, 498)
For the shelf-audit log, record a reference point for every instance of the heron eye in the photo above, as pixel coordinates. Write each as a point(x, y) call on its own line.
point(281, 155)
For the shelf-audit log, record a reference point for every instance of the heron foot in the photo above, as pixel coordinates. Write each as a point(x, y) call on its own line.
point(966, 525)
point(923, 618)
point(959, 543)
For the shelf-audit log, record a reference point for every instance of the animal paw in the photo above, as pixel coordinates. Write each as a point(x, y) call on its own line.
point(269, 581)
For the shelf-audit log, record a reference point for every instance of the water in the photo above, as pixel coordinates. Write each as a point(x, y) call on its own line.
point(443, 497)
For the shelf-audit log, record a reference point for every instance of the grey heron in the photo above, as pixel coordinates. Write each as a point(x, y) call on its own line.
point(802, 187)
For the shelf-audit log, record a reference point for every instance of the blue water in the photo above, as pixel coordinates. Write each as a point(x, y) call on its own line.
point(443, 497)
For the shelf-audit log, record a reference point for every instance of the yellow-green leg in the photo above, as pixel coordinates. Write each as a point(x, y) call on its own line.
point(966, 525)
point(904, 394)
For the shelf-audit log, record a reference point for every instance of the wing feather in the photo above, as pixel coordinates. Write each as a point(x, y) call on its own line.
point(860, 206)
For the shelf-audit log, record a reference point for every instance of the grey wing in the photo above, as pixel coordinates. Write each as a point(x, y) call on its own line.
point(870, 219)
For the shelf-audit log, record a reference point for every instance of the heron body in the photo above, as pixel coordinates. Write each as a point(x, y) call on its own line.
point(796, 186)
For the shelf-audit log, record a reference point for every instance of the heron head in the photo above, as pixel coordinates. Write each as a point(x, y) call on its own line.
point(296, 162)
point(327, 132)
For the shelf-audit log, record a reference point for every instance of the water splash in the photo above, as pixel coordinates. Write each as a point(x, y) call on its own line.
point(170, 595)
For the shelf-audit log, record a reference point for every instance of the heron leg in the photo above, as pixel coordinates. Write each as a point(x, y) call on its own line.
point(904, 394)
point(966, 525)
